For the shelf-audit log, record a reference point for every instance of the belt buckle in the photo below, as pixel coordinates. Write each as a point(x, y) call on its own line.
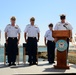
point(33, 37)
point(52, 40)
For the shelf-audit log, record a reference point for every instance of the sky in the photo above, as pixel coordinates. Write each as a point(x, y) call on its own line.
point(44, 11)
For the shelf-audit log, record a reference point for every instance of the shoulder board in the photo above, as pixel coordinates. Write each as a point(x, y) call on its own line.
point(58, 24)
point(36, 26)
point(17, 26)
point(67, 23)
point(8, 25)
point(28, 25)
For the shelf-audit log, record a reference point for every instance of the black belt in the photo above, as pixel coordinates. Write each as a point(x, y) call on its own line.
point(12, 37)
point(32, 37)
point(50, 40)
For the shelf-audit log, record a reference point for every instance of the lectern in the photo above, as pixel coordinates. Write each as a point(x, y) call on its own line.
point(61, 44)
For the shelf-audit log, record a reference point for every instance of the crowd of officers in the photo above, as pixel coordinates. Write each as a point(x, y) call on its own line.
point(32, 35)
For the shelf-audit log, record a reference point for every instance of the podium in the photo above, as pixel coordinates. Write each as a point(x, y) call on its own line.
point(61, 55)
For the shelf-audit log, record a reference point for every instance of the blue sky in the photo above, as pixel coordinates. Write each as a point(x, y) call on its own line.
point(45, 12)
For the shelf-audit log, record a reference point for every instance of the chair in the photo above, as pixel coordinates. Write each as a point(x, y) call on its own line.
point(5, 54)
point(25, 52)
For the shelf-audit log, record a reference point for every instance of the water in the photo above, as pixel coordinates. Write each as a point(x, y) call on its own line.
point(40, 49)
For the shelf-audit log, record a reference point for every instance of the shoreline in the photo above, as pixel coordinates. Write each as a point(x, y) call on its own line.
point(71, 56)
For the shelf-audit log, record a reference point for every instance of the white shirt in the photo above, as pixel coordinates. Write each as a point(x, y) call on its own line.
point(48, 35)
point(32, 31)
point(63, 26)
point(12, 31)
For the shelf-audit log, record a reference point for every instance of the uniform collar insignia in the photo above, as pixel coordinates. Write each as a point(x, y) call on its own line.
point(16, 26)
point(36, 26)
point(66, 23)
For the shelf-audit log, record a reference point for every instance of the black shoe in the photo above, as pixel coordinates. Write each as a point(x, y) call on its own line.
point(35, 63)
point(50, 62)
point(9, 64)
point(30, 64)
point(14, 64)
point(53, 62)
